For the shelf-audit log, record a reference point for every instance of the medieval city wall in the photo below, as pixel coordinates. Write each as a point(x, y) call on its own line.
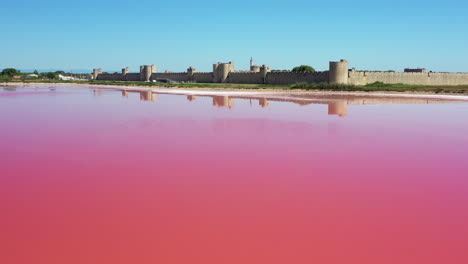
point(174, 76)
point(338, 74)
point(109, 77)
point(421, 78)
point(132, 77)
point(246, 77)
point(288, 77)
point(202, 77)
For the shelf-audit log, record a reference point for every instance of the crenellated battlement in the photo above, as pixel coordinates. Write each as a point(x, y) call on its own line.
point(244, 72)
point(416, 78)
point(171, 73)
point(316, 73)
point(290, 77)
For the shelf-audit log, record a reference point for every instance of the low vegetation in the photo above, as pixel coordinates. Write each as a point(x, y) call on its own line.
point(383, 87)
point(12, 74)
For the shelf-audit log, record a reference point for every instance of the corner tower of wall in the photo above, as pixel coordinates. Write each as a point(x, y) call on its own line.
point(338, 72)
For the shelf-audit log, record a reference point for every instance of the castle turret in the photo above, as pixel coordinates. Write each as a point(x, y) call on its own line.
point(221, 71)
point(125, 70)
point(146, 71)
point(96, 72)
point(190, 71)
point(264, 70)
point(338, 72)
point(124, 73)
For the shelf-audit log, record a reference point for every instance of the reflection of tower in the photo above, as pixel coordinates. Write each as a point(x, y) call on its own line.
point(191, 98)
point(148, 96)
point(223, 101)
point(125, 93)
point(97, 92)
point(264, 102)
point(338, 108)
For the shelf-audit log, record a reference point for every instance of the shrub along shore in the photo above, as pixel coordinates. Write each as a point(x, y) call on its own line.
point(374, 87)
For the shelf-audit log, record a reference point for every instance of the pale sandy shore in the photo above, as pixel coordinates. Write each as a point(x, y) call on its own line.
point(296, 94)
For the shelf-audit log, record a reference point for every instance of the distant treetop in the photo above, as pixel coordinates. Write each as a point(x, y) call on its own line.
point(303, 68)
point(10, 72)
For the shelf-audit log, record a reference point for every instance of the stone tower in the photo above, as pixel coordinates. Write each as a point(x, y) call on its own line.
point(251, 62)
point(221, 71)
point(338, 72)
point(190, 71)
point(124, 73)
point(264, 71)
point(125, 70)
point(146, 71)
point(96, 72)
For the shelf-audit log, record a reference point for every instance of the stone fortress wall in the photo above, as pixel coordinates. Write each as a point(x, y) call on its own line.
point(246, 77)
point(338, 73)
point(203, 77)
point(288, 77)
point(417, 78)
point(174, 76)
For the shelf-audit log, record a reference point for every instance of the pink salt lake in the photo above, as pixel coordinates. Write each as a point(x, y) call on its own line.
point(105, 176)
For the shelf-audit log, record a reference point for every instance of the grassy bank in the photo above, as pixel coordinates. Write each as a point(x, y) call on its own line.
point(374, 87)
point(383, 87)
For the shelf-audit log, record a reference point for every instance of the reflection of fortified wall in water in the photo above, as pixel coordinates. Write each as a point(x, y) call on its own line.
point(338, 73)
point(337, 104)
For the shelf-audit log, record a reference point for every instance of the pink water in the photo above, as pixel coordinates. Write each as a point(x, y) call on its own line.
point(97, 177)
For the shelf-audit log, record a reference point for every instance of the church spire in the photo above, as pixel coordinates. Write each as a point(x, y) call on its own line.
point(251, 61)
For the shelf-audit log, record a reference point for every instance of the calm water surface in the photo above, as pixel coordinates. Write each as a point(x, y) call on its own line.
point(104, 176)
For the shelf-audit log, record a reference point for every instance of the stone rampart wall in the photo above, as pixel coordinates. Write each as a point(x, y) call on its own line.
point(133, 77)
point(245, 77)
point(175, 76)
point(203, 77)
point(288, 77)
point(109, 77)
point(422, 78)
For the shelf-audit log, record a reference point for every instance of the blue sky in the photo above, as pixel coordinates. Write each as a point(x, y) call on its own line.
point(177, 34)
